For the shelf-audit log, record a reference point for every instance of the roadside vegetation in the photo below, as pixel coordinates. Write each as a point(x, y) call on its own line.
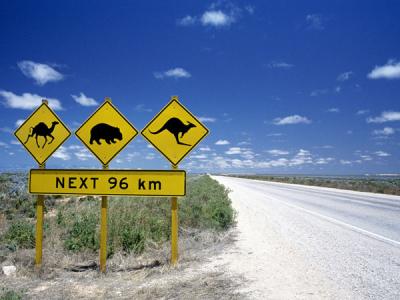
point(389, 186)
point(136, 226)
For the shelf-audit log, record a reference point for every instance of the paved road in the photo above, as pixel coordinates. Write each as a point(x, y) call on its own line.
point(347, 244)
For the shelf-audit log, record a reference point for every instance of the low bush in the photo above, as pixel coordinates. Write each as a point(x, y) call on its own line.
point(21, 234)
point(7, 294)
point(82, 233)
point(135, 223)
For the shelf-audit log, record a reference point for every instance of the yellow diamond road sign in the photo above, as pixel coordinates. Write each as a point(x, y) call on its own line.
point(42, 133)
point(174, 131)
point(106, 132)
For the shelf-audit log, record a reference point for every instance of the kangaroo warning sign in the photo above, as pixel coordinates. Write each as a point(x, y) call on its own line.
point(174, 131)
point(106, 132)
point(42, 133)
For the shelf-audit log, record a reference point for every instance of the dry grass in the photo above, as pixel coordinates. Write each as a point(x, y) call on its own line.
point(190, 279)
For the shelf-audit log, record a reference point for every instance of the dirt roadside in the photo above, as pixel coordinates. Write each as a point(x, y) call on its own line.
point(197, 276)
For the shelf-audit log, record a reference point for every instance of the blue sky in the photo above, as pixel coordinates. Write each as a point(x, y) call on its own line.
point(284, 86)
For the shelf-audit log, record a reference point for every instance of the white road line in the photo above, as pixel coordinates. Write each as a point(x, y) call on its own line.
point(355, 228)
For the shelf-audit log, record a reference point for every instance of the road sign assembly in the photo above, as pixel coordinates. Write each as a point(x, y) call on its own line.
point(174, 131)
point(106, 132)
point(42, 133)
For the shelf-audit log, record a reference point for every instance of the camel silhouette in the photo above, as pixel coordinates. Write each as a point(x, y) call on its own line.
point(41, 129)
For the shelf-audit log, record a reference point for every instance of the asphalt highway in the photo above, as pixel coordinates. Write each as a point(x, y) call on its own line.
point(348, 242)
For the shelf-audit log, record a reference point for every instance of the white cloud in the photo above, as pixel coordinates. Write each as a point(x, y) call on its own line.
point(149, 156)
point(199, 156)
point(62, 153)
point(389, 71)
point(27, 101)
point(41, 73)
point(381, 153)
point(280, 65)
point(205, 149)
point(222, 142)
point(344, 76)
point(142, 108)
point(315, 21)
point(324, 161)
point(250, 9)
point(277, 152)
point(366, 157)
point(207, 119)
point(316, 93)
point(234, 150)
point(173, 73)
point(333, 110)
point(386, 116)
point(81, 152)
point(5, 145)
point(294, 119)
point(275, 134)
point(83, 100)
point(362, 112)
point(187, 21)
point(19, 122)
point(216, 18)
point(384, 131)
point(346, 162)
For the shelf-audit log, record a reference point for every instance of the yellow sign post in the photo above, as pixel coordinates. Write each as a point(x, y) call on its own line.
point(105, 133)
point(174, 131)
point(108, 182)
point(41, 134)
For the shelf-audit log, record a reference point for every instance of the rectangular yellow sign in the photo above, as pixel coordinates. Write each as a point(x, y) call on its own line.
point(108, 182)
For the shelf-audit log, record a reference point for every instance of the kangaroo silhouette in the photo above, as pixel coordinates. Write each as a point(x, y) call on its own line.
point(41, 129)
point(176, 127)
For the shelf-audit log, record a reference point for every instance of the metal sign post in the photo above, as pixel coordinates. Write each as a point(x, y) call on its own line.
point(39, 227)
point(174, 226)
point(103, 231)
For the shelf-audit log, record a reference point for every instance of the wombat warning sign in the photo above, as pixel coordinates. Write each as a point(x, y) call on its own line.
point(106, 132)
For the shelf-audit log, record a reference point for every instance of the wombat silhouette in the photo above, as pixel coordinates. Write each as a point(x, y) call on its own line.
point(106, 132)
point(41, 129)
point(176, 127)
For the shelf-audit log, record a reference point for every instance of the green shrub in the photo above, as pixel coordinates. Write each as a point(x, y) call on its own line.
point(83, 233)
point(132, 239)
point(136, 222)
point(207, 205)
point(7, 294)
point(21, 234)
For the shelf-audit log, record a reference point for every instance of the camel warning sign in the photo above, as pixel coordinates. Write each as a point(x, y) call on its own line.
point(106, 132)
point(42, 133)
point(174, 131)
